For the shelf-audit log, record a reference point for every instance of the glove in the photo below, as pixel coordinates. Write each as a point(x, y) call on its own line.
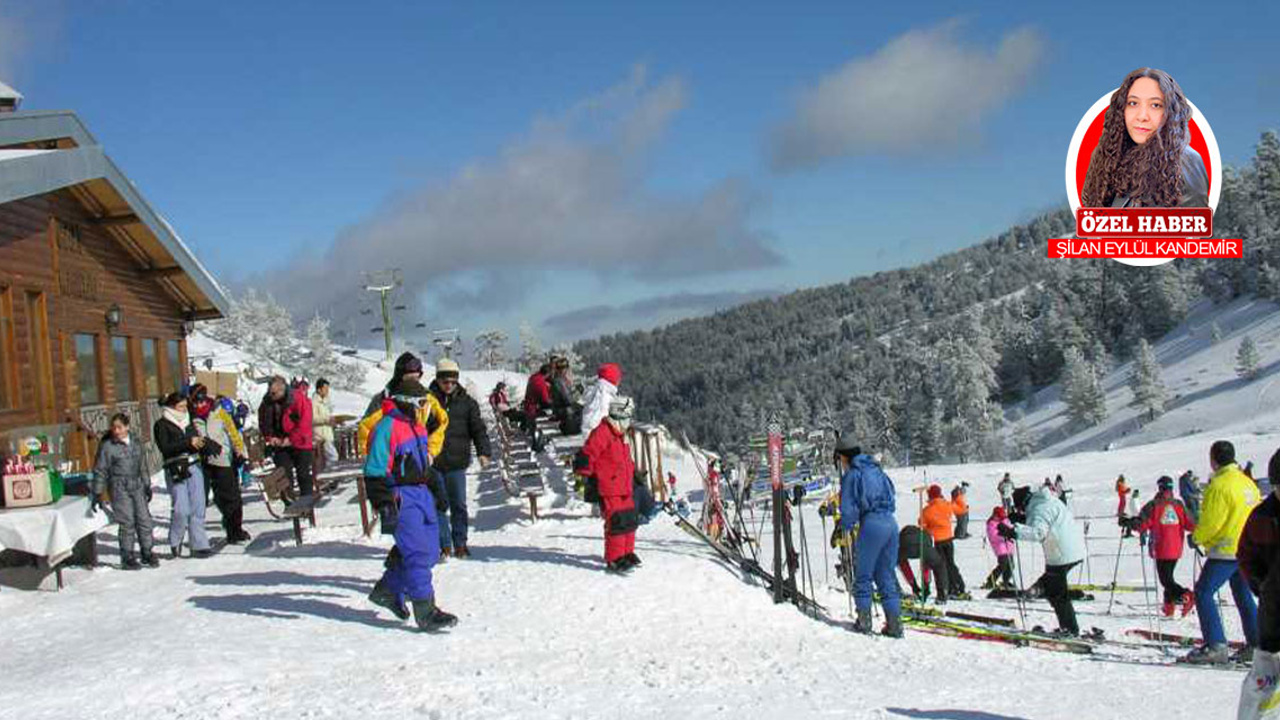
point(1007, 532)
point(98, 503)
point(824, 510)
point(1018, 518)
point(1191, 543)
point(147, 491)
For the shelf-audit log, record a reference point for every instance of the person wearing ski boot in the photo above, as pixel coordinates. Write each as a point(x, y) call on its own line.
point(607, 458)
point(122, 480)
point(432, 416)
point(1041, 517)
point(400, 457)
point(1122, 509)
point(912, 541)
point(1228, 500)
point(1002, 575)
point(867, 500)
point(1166, 522)
point(1005, 488)
point(936, 520)
point(960, 507)
point(1257, 554)
point(465, 429)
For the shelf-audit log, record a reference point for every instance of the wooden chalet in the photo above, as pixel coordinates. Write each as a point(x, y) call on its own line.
point(97, 291)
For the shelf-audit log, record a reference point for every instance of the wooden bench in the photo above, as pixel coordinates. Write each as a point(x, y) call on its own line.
point(303, 507)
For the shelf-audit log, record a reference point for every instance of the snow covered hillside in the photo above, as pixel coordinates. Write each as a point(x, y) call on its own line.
point(1199, 373)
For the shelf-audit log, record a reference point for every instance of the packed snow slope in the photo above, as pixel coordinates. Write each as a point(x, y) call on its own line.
point(1199, 374)
point(274, 630)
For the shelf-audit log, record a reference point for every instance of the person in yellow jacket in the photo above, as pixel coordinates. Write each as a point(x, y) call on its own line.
point(433, 417)
point(1228, 501)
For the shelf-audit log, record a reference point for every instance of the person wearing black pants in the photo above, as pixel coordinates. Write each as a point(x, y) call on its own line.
point(947, 549)
point(1054, 585)
point(1173, 592)
point(910, 541)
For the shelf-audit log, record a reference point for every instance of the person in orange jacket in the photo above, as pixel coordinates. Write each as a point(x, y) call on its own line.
point(936, 520)
point(1122, 512)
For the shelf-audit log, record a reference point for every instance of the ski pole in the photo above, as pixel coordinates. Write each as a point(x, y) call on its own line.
point(1146, 591)
point(1022, 610)
point(1115, 574)
point(826, 560)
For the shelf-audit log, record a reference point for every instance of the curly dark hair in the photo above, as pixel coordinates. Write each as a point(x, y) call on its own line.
point(1150, 173)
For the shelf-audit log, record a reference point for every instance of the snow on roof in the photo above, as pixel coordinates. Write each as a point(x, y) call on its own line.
point(15, 154)
point(8, 92)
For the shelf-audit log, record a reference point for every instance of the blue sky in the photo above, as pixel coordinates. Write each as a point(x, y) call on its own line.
point(591, 167)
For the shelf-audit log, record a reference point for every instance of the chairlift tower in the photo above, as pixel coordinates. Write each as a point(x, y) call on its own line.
point(385, 283)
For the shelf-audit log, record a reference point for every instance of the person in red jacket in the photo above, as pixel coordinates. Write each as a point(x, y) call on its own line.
point(537, 395)
point(1166, 521)
point(284, 419)
point(606, 457)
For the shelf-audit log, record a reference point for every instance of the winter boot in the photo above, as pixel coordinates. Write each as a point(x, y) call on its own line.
point(431, 618)
point(1207, 655)
point(461, 552)
point(863, 623)
point(632, 560)
point(618, 567)
point(130, 562)
point(1167, 609)
point(892, 626)
point(383, 596)
point(1243, 655)
point(1188, 603)
point(175, 551)
point(150, 559)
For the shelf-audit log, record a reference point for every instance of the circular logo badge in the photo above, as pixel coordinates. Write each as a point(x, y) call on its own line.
point(1089, 132)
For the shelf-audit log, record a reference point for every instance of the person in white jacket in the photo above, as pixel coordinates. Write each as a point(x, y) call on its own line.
point(322, 426)
point(598, 396)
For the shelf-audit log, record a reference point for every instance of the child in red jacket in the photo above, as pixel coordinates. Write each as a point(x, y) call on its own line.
point(605, 457)
point(1167, 522)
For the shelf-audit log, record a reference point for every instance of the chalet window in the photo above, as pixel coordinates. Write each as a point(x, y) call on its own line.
point(87, 369)
point(122, 367)
point(173, 360)
point(8, 356)
point(151, 368)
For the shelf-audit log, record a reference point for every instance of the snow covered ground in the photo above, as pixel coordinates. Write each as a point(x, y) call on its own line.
point(274, 630)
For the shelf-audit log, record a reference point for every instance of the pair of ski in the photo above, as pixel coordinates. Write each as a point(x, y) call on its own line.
point(734, 558)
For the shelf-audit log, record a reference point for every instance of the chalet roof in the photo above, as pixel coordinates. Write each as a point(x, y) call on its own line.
point(44, 151)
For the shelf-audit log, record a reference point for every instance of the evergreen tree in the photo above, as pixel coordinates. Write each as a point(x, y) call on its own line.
point(1086, 403)
point(532, 355)
point(1022, 443)
point(322, 362)
point(1247, 359)
point(491, 349)
point(926, 447)
point(1149, 392)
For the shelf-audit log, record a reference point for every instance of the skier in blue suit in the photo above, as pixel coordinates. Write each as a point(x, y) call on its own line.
point(867, 500)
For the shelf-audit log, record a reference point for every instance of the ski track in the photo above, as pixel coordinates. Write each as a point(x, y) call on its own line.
point(279, 630)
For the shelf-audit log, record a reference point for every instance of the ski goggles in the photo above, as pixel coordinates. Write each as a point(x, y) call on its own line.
point(413, 400)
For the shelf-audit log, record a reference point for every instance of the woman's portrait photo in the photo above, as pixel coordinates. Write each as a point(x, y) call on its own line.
point(1144, 157)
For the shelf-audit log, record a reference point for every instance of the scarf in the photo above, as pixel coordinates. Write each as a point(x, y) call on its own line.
point(181, 419)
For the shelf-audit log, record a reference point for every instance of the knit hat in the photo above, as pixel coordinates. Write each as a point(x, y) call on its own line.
point(935, 492)
point(999, 513)
point(405, 364)
point(1164, 483)
point(611, 372)
point(447, 368)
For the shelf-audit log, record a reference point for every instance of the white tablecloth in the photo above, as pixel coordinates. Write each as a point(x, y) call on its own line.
point(50, 531)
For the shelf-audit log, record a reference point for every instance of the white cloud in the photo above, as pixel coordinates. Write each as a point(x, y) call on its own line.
point(924, 90)
point(569, 196)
